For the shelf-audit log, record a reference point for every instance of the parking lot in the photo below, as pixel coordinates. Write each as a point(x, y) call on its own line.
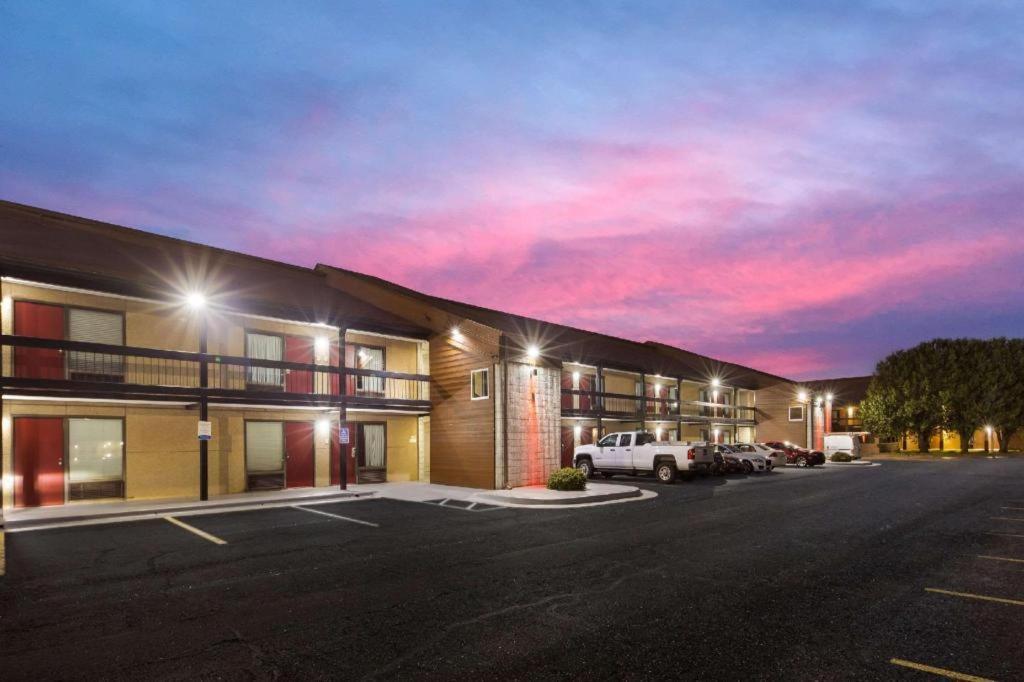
point(798, 574)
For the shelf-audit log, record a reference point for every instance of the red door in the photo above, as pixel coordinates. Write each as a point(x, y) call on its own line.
point(337, 449)
point(585, 387)
point(298, 452)
point(567, 401)
point(568, 445)
point(38, 461)
point(43, 321)
point(298, 349)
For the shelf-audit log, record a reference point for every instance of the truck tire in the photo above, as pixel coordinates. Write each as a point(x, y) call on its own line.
point(665, 471)
point(586, 467)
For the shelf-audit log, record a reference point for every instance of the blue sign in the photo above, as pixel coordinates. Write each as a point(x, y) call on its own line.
point(344, 435)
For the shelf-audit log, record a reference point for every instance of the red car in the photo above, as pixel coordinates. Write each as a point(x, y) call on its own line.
point(799, 456)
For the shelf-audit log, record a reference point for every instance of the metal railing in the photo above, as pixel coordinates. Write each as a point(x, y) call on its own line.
point(577, 403)
point(55, 365)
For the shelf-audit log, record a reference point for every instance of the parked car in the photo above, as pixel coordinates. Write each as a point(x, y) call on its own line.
point(801, 457)
point(639, 452)
point(842, 442)
point(749, 461)
point(776, 458)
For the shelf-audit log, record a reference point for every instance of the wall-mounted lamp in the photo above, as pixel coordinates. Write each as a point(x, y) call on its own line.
point(321, 345)
point(533, 352)
point(802, 396)
point(196, 301)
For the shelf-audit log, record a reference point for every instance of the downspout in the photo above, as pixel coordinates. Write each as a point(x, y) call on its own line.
point(503, 359)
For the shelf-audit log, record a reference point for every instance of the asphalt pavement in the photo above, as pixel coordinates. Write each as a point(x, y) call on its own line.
point(831, 573)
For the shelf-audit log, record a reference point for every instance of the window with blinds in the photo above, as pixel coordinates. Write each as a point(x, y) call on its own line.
point(95, 326)
point(264, 455)
point(264, 347)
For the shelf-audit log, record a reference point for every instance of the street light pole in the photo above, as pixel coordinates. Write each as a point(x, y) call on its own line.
point(204, 410)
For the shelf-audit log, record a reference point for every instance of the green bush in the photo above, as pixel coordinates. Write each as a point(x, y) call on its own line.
point(841, 457)
point(567, 479)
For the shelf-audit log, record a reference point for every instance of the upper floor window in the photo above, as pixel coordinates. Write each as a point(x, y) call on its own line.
point(95, 326)
point(480, 384)
point(264, 347)
point(370, 357)
point(796, 413)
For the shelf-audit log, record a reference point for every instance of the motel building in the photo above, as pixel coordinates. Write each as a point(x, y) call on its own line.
point(141, 367)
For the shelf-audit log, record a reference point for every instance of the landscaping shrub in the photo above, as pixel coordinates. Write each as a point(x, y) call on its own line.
point(567, 479)
point(841, 457)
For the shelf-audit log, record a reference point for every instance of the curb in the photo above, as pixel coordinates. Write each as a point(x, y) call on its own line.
point(190, 510)
point(508, 500)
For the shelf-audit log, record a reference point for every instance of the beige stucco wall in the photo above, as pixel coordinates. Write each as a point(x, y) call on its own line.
point(403, 443)
point(399, 355)
point(624, 384)
point(161, 448)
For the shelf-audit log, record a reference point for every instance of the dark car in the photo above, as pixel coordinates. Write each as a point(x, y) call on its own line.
point(801, 457)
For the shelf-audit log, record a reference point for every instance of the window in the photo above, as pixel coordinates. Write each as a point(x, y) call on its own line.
point(264, 347)
point(95, 458)
point(95, 326)
point(370, 357)
point(480, 384)
point(625, 439)
point(264, 455)
point(608, 441)
point(796, 413)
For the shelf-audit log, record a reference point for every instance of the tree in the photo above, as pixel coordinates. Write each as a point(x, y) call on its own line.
point(1002, 394)
point(880, 412)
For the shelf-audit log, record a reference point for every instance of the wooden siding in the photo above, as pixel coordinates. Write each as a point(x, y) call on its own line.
point(773, 414)
point(462, 431)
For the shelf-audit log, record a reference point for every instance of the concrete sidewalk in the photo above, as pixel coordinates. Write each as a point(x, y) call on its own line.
point(85, 513)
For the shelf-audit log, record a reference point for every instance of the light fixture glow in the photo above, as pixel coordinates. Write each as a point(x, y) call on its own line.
point(456, 334)
point(576, 376)
point(802, 396)
point(533, 352)
point(716, 382)
point(323, 428)
point(321, 345)
point(196, 301)
point(828, 397)
point(577, 430)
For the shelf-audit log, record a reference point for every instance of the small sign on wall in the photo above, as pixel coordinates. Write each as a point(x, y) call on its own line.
point(205, 430)
point(343, 436)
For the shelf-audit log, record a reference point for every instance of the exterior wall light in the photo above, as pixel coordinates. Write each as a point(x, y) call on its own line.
point(828, 397)
point(323, 428)
point(456, 334)
point(533, 352)
point(196, 301)
point(321, 346)
point(576, 376)
point(802, 396)
point(716, 382)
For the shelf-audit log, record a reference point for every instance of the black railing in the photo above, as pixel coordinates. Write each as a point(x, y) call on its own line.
point(578, 403)
point(52, 365)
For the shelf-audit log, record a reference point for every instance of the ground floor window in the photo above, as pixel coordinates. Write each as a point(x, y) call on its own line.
point(264, 455)
point(95, 458)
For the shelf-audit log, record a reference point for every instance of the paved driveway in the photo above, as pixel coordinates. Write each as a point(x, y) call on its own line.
point(798, 574)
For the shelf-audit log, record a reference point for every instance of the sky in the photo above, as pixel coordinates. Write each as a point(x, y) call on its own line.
point(802, 187)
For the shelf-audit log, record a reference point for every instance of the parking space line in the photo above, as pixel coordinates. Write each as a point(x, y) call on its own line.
point(192, 529)
point(1000, 558)
point(1013, 508)
point(1005, 535)
point(335, 516)
point(1005, 518)
point(969, 595)
point(938, 671)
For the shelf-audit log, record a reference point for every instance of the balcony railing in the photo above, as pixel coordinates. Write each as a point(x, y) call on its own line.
point(48, 366)
point(593, 404)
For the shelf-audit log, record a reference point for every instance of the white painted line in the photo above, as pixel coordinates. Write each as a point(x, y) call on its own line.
point(443, 502)
point(1013, 508)
point(335, 516)
point(1005, 518)
point(941, 672)
point(1001, 558)
point(1005, 535)
point(471, 506)
point(192, 529)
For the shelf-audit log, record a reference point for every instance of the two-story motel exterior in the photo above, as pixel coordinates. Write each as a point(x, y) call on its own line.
point(117, 343)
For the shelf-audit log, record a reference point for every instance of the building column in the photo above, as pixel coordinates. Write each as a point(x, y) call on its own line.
point(204, 409)
point(342, 391)
point(599, 400)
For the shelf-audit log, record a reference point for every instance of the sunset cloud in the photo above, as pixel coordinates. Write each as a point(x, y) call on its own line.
point(802, 190)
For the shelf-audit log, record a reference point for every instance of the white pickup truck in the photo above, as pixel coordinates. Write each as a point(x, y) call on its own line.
point(637, 452)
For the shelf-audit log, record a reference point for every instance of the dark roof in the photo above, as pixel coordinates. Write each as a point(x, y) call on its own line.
point(591, 348)
point(844, 390)
point(53, 247)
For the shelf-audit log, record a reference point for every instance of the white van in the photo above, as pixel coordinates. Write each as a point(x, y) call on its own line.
point(842, 442)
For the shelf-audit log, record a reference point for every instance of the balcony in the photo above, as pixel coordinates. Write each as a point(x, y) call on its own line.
point(59, 368)
point(594, 404)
